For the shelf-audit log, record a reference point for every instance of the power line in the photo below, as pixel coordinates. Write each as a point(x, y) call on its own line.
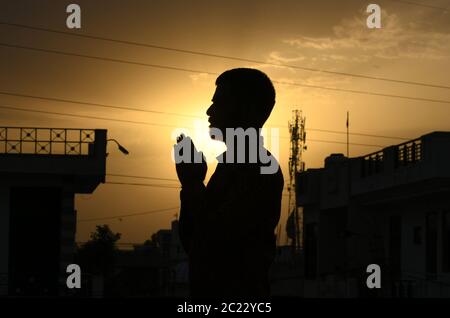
point(286, 184)
point(180, 69)
point(199, 53)
point(108, 59)
point(139, 122)
point(344, 133)
point(139, 177)
point(366, 92)
point(84, 116)
point(176, 114)
point(117, 243)
point(344, 143)
point(144, 184)
point(157, 185)
point(54, 99)
point(357, 134)
point(147, 177)
point(337, 142)
point(419, 5)
point(128, 215)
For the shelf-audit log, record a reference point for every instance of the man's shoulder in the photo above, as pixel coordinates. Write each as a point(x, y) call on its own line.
point(276, 178)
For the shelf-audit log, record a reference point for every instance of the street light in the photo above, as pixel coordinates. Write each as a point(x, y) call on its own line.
point(121, 148)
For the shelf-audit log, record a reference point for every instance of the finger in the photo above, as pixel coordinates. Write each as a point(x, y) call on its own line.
point(178, 152)
point(180, 137)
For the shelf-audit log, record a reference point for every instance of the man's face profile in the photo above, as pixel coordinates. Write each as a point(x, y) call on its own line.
point(221, 113)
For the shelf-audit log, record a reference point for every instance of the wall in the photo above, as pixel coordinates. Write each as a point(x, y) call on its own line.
point(4, 239)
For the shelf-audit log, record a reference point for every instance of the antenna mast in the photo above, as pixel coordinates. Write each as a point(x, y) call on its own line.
point(296, 164)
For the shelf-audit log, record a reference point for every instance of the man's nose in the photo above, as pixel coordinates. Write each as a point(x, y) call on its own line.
point(209, 110)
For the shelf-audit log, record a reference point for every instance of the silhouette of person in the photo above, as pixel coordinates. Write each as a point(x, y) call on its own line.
point(227, 227)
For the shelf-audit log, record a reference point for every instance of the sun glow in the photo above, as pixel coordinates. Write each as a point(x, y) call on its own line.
point(199, 132)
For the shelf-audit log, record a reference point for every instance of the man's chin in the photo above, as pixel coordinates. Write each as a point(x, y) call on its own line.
point(215, 133)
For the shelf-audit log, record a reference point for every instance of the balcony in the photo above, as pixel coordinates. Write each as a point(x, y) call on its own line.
point(32, 156)
point(424, 159)
point(46, 141)
point(408, 153)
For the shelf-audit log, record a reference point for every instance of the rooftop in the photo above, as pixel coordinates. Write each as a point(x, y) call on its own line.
point(35, 156)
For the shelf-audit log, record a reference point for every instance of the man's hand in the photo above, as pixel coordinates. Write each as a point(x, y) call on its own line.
point(190, 164)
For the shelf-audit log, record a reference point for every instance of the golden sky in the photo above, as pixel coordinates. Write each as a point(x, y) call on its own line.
point(412, 45)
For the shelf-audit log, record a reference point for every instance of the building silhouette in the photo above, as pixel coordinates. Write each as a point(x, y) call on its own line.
point(41, 169)
point(390, 208)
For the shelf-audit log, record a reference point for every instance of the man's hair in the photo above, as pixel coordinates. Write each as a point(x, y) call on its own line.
point(252, 88)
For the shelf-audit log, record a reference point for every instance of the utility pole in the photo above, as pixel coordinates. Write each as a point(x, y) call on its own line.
point(348, 139)
point(349, 183)
point(296, 165)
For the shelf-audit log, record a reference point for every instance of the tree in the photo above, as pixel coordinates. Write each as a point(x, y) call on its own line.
point(97, 255)
point(152, 242)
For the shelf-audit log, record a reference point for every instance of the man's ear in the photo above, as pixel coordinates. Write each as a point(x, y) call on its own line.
point(243, 114)
point(251, 113)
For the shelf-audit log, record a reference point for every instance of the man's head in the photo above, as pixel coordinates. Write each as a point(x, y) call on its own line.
point(244, 98)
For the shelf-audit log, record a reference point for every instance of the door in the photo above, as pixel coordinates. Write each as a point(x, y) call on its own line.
point(34, 241)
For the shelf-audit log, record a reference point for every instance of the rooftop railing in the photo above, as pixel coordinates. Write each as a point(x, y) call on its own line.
point(372, 163)
point(46, 141)
point(408, 153)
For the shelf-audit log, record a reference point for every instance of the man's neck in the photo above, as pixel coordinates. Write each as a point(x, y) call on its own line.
point(246, 150)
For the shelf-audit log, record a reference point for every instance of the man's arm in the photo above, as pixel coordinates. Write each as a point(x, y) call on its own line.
point(191, 175)
point(192, 199)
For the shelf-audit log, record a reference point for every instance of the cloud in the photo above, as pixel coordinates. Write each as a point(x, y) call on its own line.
point(312, 43)
point(276, 56)
point(352, 40)
point(199, 76)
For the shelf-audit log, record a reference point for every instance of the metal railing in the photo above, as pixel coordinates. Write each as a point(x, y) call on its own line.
point(45, 141)
point(409, 153)
point(372, 163)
